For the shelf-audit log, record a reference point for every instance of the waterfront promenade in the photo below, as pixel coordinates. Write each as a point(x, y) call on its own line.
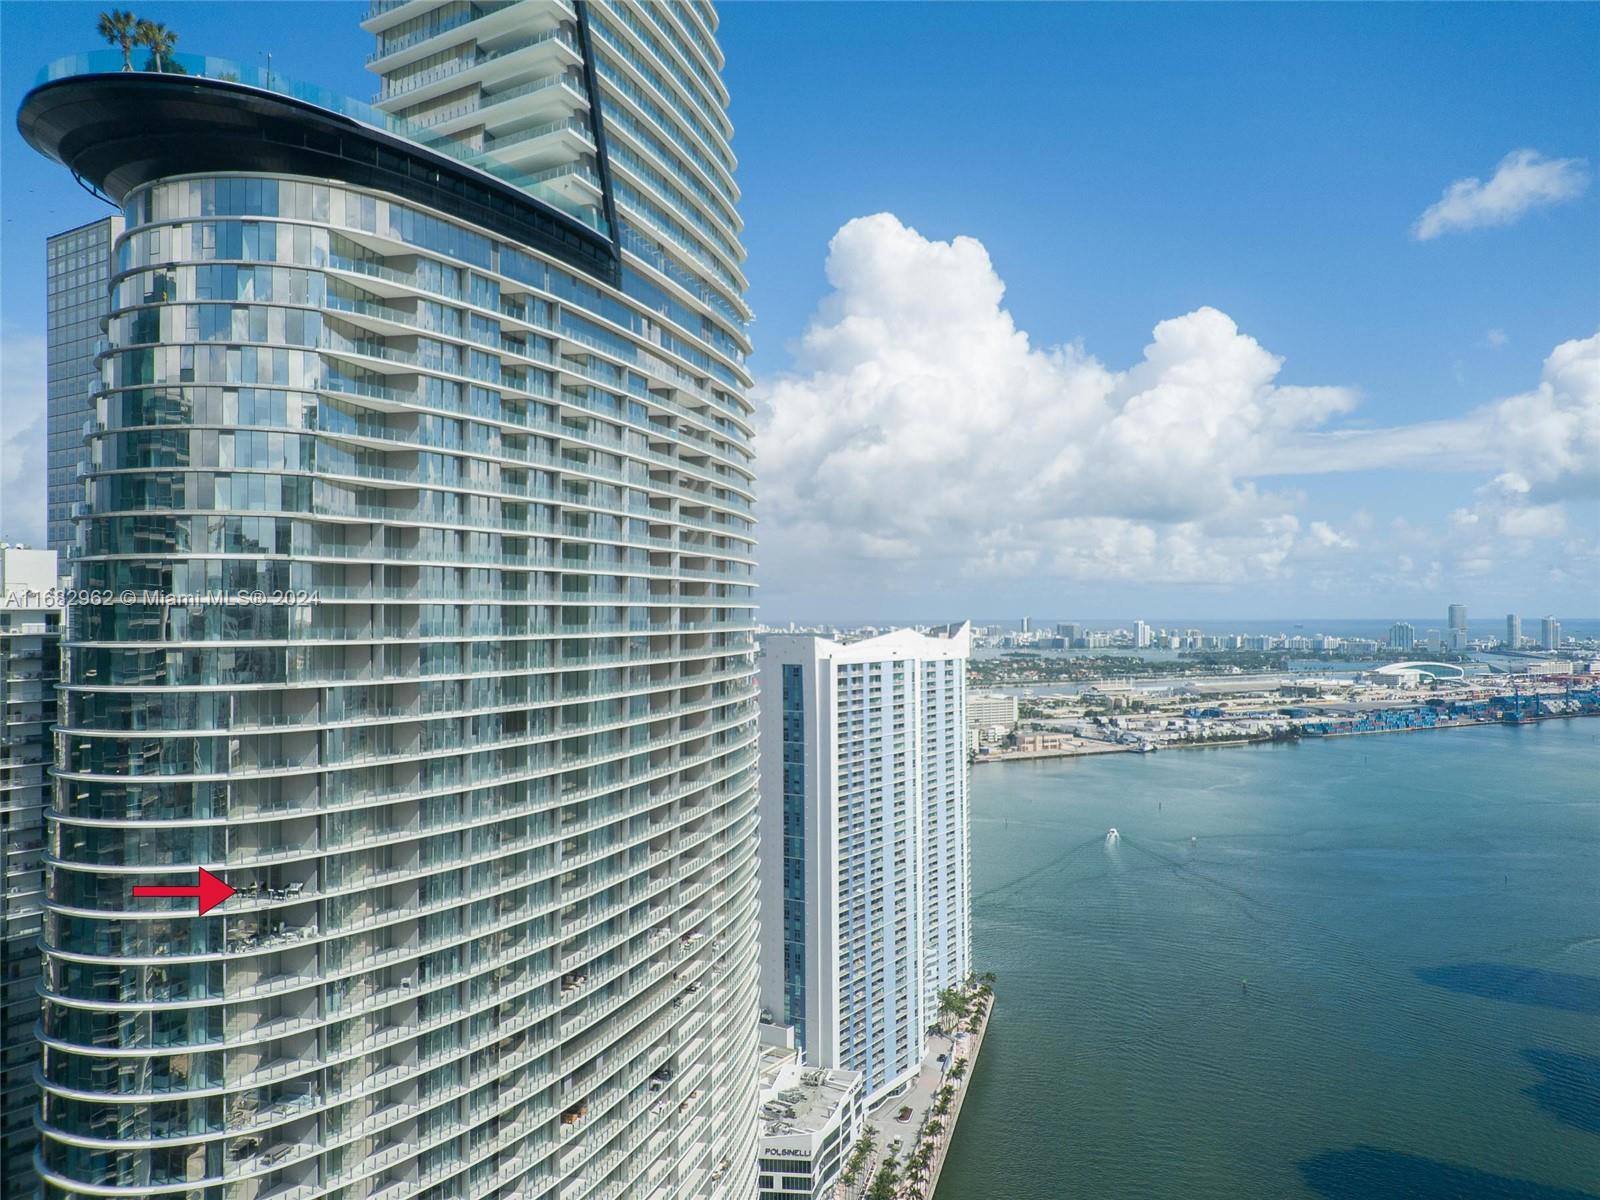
point(932, 1104)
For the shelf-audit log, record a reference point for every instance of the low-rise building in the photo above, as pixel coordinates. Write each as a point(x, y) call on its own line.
point(810, 1117)
point(1038, 743)
point(1547, 666)
point(1112, 695)
point(990, 717)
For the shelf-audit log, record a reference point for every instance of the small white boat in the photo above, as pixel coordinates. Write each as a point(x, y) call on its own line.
point(1112, 835)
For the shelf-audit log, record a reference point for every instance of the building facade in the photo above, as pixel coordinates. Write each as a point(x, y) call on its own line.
point(1402, 636)
point(77, 296)
point(30, 668)
point(988, 714)
point(433, 482)
point(865, 872)
point(1513, 630)
point(810, 1118)
point(1456, 618)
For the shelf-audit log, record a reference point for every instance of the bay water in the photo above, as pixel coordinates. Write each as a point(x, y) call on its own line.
point(1350, 968)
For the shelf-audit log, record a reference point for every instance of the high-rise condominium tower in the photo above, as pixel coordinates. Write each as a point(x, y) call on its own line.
point(1456, 617)
point(1402, 635)
point(77, 293)
point(482, 764)
point(1550, 633)
point(1513, 630)
point(865, 879)
point(30, 665)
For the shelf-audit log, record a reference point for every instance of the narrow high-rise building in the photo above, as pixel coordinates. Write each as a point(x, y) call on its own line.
point(1550, 633)
point(30, 666)
point(1456, 617)
point(865, 871)
point(1513, 631)
point(77, 298)
point(1142, 635)
point(465, 444)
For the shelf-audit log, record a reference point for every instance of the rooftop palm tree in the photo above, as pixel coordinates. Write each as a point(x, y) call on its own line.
point(161, 41)
point(121, 28)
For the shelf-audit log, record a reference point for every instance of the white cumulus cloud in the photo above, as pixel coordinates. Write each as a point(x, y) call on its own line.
point(1522, 181)
point(920, 425)
point(1546, 441)
point(1550, 437)
point(920, 439)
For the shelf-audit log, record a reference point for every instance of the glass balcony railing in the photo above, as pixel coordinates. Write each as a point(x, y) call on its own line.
point(404, 41)
point(109, 62)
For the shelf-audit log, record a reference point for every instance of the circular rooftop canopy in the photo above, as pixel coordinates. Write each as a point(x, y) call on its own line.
point(118, 129)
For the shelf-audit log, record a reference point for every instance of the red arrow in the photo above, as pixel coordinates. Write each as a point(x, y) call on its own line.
point(210, 891)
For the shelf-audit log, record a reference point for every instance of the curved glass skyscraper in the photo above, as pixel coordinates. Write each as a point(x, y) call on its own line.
point(421, 486)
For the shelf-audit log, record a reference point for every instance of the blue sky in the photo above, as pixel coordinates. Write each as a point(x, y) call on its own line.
point(1121, 166)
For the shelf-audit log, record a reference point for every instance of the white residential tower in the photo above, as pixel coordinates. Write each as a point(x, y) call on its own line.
point(865, 879)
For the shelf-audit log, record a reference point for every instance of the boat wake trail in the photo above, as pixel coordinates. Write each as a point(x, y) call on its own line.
point(1054, 864)
point(1187, 871)
point(1253, 908)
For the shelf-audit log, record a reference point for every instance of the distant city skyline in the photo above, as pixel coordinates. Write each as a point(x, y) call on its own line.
point(1485, 626)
